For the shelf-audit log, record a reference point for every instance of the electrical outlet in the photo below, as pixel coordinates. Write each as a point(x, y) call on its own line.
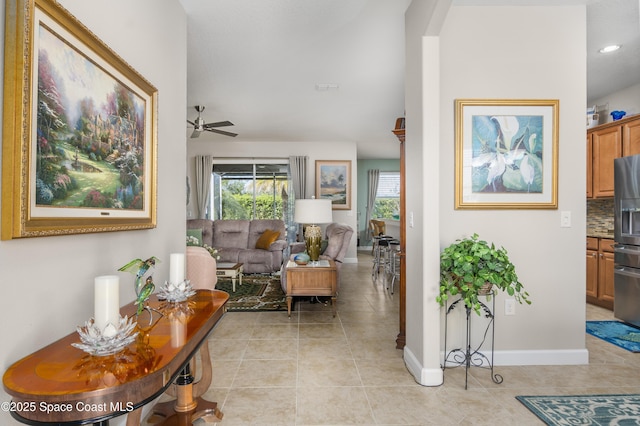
point(509, 307)
point(565, 219)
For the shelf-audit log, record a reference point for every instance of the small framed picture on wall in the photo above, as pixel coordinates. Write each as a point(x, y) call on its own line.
point(333, 182)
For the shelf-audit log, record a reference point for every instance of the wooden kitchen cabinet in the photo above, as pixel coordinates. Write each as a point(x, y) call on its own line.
point(600, 272)
point(631, 137)
point(592, 268)
point(604, 144)
point(589, 168)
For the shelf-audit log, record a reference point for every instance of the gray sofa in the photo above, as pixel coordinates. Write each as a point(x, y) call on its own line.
point(236, 240)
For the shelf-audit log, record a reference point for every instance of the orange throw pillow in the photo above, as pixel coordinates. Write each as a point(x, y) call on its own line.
point(267, 238)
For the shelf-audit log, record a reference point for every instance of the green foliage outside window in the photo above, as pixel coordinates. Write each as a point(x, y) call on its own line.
point(240, 206)
point(386, 208)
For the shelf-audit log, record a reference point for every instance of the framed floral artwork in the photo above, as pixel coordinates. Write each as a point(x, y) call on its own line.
point(506, 154)
point(79, 130)
point(333, 182)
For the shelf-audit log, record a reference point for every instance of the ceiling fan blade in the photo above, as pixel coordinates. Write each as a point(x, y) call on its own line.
point(192, 123)
point(222, 132)
point(196, 133)
point(218, 124)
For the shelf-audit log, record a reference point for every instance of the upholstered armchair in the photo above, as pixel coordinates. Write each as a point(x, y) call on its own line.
point(201, 273)
point(338, 238)
point(201, 268)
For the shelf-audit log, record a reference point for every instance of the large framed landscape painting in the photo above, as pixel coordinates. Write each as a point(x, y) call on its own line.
point(333, 182)
point(506, 154)
point(79, 130)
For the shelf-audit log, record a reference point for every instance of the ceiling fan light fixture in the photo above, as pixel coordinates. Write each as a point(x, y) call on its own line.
point(610, 48)
point(199, 125)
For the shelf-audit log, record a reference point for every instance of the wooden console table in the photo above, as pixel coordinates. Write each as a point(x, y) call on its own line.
point(312, 280)
point(63, 385)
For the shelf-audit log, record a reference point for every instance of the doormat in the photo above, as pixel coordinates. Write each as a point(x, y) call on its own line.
point(617, 333)
point(594, 410)
point(257, 293)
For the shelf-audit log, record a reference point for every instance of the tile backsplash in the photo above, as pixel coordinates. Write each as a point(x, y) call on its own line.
point(600, 217)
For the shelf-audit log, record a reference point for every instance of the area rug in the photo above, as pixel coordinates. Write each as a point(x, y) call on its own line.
point(593, 410)
point(617, 333)
point(257, 293)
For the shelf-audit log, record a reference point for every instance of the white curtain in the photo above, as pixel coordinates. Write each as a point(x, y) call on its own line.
point(298, 167)
point(204, 168)
point(298, 171)
point(374, 176)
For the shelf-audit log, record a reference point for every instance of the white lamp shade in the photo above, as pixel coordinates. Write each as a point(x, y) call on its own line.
point(313, 211)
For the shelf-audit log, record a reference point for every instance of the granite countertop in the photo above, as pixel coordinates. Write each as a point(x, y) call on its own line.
point(600, 233)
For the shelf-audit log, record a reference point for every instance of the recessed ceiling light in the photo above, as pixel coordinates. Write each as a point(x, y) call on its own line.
point(609, 49)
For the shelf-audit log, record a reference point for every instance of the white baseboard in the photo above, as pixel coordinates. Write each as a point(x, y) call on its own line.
point(424, 376)
point(435, 376)
point(542, 357)
point(538, 357)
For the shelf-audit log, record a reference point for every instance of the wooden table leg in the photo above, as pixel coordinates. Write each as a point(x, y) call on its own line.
point(189, 405)
point(166, 416)
point(289, 299)
point(202, 385)
point(133, 418)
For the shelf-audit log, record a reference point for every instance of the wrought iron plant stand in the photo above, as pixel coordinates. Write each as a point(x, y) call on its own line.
point(468, 356)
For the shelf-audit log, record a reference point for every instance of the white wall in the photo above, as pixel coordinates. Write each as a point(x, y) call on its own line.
point(496, 52)
point(47, 283)
point(627, 100)
point(422, 20)
point(315, 151)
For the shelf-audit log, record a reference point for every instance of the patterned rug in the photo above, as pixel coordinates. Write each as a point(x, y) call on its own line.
point(617, 333)
point(593, 410)
point(257, 293)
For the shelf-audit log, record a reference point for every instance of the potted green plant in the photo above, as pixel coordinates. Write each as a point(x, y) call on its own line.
point(471, 267)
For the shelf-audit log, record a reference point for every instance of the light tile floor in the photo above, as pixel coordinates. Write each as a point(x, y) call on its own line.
point(314, 369)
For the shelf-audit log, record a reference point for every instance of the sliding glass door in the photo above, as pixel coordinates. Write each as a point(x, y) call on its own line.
point(250, 190)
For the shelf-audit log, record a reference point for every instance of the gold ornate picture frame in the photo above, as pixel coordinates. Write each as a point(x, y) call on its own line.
point(333, 182)
point(79, 139)
point(506, 154)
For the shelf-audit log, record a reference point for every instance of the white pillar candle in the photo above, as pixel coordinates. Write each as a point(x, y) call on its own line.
point(107, 302)
point(176, 268)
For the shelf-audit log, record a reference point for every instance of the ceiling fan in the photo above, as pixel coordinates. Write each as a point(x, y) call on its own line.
point(200, 126)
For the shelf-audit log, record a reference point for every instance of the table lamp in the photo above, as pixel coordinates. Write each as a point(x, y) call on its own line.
point(312, 212)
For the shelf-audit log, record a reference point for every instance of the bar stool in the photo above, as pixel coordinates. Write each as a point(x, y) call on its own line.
point(393, 247)
point(395, 267)
point(380, 245)
point(376, 228)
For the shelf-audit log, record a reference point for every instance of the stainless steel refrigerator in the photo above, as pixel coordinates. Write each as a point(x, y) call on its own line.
point(627, 235)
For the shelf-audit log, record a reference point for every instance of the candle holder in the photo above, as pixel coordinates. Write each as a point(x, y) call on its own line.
point(176, 292)
point(109, 341)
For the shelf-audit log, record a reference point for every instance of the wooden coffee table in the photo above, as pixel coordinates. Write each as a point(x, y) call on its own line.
point(319, 279)
point(230, 269)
